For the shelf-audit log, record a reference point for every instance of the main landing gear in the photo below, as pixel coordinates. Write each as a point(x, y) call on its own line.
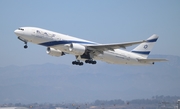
point(81, 63)
point(90, 62)
point(77, 63)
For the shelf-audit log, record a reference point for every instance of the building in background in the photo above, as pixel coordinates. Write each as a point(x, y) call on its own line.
point(178, 104)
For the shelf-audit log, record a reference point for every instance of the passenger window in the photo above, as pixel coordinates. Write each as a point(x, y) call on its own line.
point(38, 31)
point(45, 34)
point(53, 35)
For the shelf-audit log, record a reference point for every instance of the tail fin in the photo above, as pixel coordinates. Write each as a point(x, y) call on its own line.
point(145, 48)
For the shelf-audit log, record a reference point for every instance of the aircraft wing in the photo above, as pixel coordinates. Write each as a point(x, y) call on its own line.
point(105, 47)
point(151, 60)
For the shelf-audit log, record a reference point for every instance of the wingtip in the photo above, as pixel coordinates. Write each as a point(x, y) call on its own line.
point(154, 36)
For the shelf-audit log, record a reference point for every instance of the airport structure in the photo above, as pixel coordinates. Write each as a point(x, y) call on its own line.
point(13, 108)
point(178, 104)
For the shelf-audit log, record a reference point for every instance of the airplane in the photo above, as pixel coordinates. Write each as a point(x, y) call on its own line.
point(87, 51)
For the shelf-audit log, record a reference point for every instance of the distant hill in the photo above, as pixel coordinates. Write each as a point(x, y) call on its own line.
point(65, 83)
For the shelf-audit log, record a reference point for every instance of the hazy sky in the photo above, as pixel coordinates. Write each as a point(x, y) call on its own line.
point(103, 21)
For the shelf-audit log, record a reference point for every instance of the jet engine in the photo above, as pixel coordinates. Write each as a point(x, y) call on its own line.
point(77, 49)
point(54, 52)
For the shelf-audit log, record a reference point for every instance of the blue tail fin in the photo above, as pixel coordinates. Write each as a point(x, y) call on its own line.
point(145, 48)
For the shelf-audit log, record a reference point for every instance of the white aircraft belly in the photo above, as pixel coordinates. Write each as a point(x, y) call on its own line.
point(110, 58)
point(116, 59)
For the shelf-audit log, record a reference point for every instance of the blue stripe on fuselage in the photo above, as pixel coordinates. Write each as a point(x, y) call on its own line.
point(53, 43)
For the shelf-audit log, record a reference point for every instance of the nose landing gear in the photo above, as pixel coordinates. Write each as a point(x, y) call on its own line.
point(25, 46)
point(25, 42)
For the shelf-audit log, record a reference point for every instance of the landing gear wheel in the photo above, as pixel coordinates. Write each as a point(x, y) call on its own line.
point(80, 63)
point(77, 63)
point(74, 62)
point(86, 61)
point(25, 46)
point(94, 62)
point(90, 61)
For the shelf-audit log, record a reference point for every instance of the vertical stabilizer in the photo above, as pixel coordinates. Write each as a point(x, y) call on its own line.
point(145, 48)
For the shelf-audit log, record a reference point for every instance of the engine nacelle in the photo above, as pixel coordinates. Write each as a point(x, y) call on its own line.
point(77, 49)
point(54, 52)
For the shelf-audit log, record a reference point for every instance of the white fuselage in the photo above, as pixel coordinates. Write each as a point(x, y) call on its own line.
point(61, 42)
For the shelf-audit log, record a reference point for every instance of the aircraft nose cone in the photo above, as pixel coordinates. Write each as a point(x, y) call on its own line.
point(15, 31)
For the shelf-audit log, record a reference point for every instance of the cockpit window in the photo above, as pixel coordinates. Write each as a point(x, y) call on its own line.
point(21, 29)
